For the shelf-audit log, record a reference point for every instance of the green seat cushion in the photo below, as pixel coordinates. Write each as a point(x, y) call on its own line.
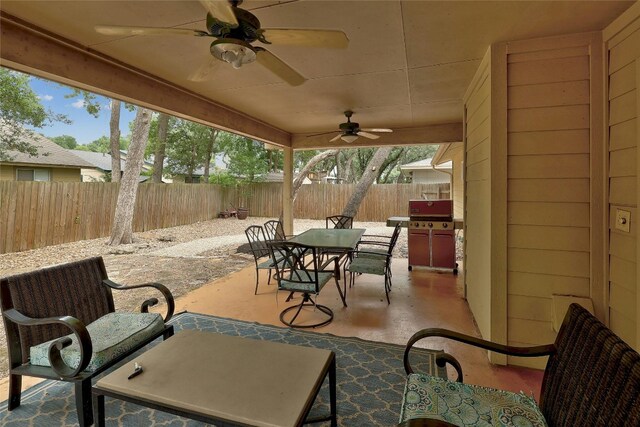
point(305, 284)
point(372, 265)
point(373, 253)
point(467, 405)
point(111, 335)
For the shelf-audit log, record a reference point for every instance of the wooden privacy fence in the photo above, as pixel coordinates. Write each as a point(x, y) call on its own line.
point(38, 214)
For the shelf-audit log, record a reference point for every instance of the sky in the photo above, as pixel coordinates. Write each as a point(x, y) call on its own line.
point(84, 128)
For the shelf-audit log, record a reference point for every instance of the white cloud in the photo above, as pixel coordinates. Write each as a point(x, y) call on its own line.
point(46, 97)
point(78, 104)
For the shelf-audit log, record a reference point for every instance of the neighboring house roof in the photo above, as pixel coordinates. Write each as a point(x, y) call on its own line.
point(425, 164)
point(50, 154)
point(99, 160)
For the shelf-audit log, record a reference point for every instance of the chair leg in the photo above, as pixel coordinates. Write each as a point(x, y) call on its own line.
point(167, 333)
point(257, 277)
point(387, 287)
point(15, 387)
point(269, 279)
point(343, 296)
point(84, 405)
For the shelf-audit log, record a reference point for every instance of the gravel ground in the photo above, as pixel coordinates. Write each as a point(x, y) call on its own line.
point(183, 258)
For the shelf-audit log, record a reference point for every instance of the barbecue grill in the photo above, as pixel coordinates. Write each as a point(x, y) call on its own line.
point(431, 237)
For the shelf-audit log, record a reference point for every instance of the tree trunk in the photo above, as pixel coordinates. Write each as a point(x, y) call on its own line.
point(207, 160)
point(347, 168)
point(297, 182)
point(158, 159)
point(114, 140)
point(369, 175)
point(122, 229)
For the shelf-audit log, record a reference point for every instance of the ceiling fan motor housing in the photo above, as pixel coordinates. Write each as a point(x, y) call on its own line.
point(248, 28)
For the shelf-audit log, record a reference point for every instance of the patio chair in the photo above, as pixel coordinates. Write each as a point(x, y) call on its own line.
point(300, 270)
point(260, 250)
point(376, 261)
point(592, 378)
point(274, 230)
point(41, 307)
point(339, 221)
point(378, 244)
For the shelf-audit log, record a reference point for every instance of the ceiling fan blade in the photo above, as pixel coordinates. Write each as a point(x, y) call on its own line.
point(320, 134)
point(279, 67)
point(335, 138)
point(310, 38)
point(221, 10)
point(368, 135)
point(205, 71)
point(112, 30)
point(378, 130)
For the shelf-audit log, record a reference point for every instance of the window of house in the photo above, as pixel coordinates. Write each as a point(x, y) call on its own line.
point(32, 175)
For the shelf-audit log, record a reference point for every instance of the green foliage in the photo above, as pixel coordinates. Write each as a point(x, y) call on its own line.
point(102, 145)
point(246, 159)
point(65, 141)
point(187, 144)
point(222, 178)
point(20, 108)
point(91, 100)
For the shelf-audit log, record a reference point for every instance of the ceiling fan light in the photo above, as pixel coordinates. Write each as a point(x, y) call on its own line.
point(235, 52)
point(349, 138)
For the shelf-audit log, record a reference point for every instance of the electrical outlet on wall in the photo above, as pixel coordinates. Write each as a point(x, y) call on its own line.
point(623, 220)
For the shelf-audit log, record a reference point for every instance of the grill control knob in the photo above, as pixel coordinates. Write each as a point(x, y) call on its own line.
point(445, 225)
point(430, 225)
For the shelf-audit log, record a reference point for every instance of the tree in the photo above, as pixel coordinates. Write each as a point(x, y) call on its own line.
point(209, 153)
point(122, 228)
point(20, 108)
point(297, 182)
point(187, 147)
point(247, 159)
point(160, 147)
point(65, 141)
point(368, 177)
point(114, 140)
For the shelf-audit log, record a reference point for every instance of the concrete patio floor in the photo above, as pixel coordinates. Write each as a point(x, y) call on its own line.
point(419, 299)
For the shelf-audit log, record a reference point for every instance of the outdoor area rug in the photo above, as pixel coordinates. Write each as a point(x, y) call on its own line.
point(370, 381)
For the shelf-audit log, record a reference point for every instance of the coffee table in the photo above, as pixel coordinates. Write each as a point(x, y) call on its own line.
point(212, 377)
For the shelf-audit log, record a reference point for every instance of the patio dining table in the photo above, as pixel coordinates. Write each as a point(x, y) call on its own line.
point(335, 240)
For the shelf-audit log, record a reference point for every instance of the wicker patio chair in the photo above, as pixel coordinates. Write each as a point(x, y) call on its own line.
point(40, 308)
point(592, 378)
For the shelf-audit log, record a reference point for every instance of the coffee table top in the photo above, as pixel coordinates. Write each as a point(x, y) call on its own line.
point(236, 379)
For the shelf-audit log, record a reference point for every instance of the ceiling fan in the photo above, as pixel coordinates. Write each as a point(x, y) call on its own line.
point(234, 29)
point(350, 131)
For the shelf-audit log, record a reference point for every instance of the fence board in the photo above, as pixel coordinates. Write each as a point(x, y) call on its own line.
point(37, 214)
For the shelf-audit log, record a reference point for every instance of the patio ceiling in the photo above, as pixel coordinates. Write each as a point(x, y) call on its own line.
point(407, 66)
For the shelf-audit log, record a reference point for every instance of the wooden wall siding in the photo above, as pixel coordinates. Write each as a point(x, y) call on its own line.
point(548, 187)
point(37, 214)
point(623, 186)
point(477, 193)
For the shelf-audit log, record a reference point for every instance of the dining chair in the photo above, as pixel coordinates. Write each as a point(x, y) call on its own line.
point(301, 271)
point(339, 221)
point(274, 230)
point(260, 249)
point(374, 261)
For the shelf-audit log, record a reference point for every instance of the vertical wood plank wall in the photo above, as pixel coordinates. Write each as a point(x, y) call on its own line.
point(548, 183)
point(623, 48)
point(477, 193)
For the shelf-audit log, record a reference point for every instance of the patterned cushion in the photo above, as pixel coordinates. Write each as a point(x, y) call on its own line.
point(111, 335)
point(467, 405)
point(368, 265)
point(306, 286)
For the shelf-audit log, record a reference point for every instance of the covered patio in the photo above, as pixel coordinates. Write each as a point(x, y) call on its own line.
point(541, 95)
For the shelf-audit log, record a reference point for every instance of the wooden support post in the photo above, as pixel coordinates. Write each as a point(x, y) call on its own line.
point(287, 195)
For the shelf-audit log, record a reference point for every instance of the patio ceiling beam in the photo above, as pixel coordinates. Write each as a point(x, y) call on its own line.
point(36, 51)
point(433, 134)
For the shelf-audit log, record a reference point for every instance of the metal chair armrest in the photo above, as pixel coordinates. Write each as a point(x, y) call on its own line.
point(55, 359)
point(151, 301)
point(443, 359)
